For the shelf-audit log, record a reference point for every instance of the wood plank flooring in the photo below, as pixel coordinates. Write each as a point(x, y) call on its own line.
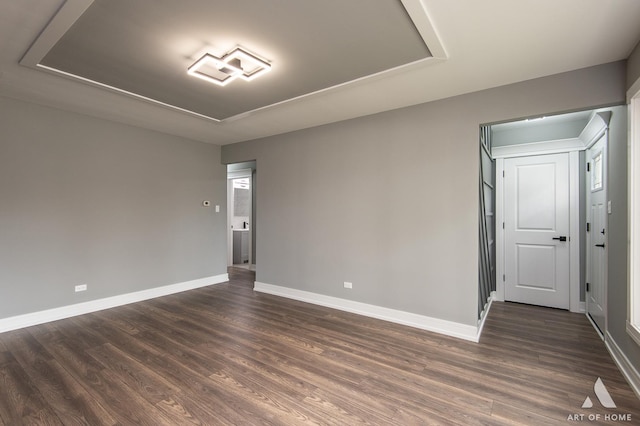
point(224, 355)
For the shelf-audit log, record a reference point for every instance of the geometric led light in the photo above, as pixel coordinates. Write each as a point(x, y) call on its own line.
point(239, 62)
point(251, 65)
point(214, 70)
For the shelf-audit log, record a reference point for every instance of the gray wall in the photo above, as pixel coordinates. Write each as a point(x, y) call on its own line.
point(389, 201)
point(633, 66)
point(87, 201)
point(617, 286)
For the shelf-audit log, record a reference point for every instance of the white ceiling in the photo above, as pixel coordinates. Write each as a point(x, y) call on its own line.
point(474, 46)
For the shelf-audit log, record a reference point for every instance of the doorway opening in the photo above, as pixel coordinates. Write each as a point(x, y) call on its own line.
point(241, 215)
point(543, 213)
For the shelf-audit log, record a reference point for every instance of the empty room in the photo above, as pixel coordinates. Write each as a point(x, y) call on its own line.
point(387, 212)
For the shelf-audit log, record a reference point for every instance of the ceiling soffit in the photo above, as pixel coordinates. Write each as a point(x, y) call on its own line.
point(144, 48)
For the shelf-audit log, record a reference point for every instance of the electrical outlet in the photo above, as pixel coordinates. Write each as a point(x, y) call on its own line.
point(81, 287)
point(347, 284)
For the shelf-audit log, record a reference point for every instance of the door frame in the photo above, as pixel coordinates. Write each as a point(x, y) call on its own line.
point(237, 174)
point(575, 305)
point(598, 123)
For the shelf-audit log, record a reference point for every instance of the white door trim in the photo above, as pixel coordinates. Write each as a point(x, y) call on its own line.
point(574, 231)
point(575, 235)
point(499, 194)
point(559, 146)
point(633, 316)
point(242, 173)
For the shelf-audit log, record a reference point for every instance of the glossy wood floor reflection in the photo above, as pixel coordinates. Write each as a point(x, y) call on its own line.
point(224, 355)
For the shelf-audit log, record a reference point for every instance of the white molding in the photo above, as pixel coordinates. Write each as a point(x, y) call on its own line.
point(41, 317)
point(499, 241)
point(633, 272)
point(449, 328)
point(582, 308)
point(420, 17)
point(634, 332)
point(64, 19)
point(633, 91)
point(624, 365)
point(598, 123)
point(538, 148)
point(574, 231)
point(229, 222)
point(485, 314)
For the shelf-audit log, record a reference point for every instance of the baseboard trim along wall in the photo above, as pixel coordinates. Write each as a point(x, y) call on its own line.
point(41, 317)
point(485, 314)
point(449, 328)
point(624, 365)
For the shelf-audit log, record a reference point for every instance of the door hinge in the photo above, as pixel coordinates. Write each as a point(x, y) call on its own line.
point(504, 277)
point(587, 286)
point(502, 225)
point(588, 227)
point(588, 167)
point(503, 173)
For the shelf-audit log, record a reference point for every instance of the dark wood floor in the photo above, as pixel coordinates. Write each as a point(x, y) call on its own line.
point(226, 355)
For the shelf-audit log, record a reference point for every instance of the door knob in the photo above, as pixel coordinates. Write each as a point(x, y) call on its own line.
point(560, 238)
point(600, 245)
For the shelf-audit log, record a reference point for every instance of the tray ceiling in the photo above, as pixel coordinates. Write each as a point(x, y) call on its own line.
point(144, 47)
point(332, 60)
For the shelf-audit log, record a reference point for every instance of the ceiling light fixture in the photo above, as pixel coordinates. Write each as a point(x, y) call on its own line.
point(214, 70)
point(238, 62)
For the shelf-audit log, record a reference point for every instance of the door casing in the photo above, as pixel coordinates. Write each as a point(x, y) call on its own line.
point(243, 173)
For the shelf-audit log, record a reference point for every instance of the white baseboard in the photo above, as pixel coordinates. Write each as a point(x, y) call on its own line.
point(582, 308)
point(485, 314)
point(624, 365)
point(449, 328)
point(41, 317)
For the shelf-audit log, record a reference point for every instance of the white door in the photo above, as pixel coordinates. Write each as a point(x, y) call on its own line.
point(536, 206)
point(597, 232)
